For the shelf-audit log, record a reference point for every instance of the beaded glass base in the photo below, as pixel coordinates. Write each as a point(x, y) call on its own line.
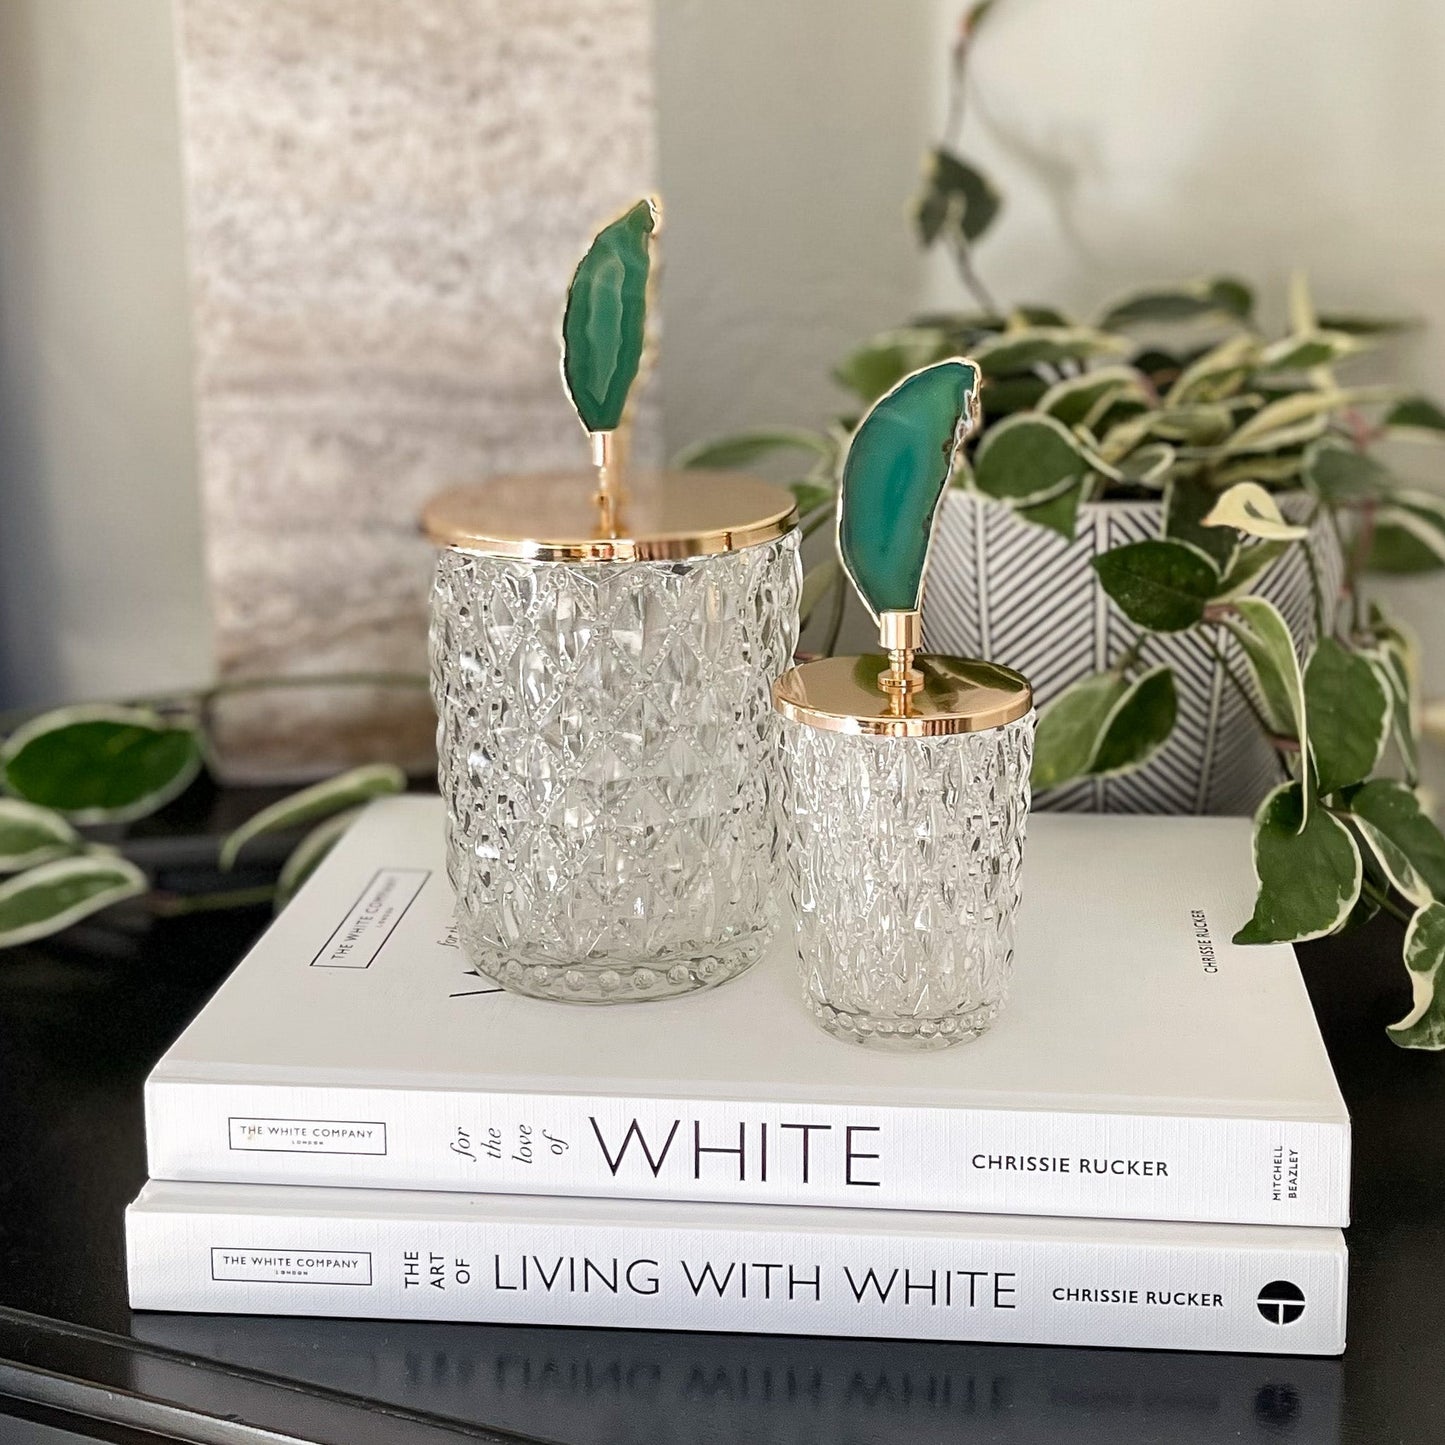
point(903, 860)
point(603, 745)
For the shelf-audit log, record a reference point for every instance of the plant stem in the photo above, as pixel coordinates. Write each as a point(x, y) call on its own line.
point(823, 517)
point(1387, 904)
point(952, 129)
point(1249, 702)
point(205, 701)
point(227, 687)
point(170, 905)
point(835, 621)
point(1322, 628)
point(963, 260)
point(1333, 517)
point(1359, 556)
point(1131, 655)
point(201, 697)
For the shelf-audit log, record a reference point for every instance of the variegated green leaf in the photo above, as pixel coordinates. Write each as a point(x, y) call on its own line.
point(53, 896)
point(1188, 500)
point(1268, 646)
point(1355, 323)
point(1416, 418)
point(1302, 314)
point(1075, 399)
point(1059, 513)
point(334, 795)
point(1308, 869)
point(1028, 458)
point(1166, 305)
point(1070, 728)
point(1138, 725)
point(745, 449)
point(1349, 715)
point(1288, 422)
point(1337, 473)
point(1311, 349)
point(100, 764)
point(1218, 374)
point(1189, 426)
point(31, 835)
point(1397, 660)
point(1248, 508)
point(1264, 636)
point(1005, 396)
point(1423, 1027)
point(1159, 585)
point(1196, 425)
point(1248, 566)
point(1027, 347)
point(1259, 467)
point(1408, 845)
point(1409, 535)
point(822, 578)
point(811, 497)
point(1104, 726)
point(308, 854)
point(1148, 465)
point(956, 196)
point(885, 360)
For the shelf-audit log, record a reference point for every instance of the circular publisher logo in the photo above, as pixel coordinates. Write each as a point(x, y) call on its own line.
point(1281, 1302)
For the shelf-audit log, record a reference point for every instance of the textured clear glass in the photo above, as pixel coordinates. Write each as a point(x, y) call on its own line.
point(903, 861)
point(604, 750)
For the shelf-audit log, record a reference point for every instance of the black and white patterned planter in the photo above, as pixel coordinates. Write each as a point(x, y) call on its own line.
point(1003, 589)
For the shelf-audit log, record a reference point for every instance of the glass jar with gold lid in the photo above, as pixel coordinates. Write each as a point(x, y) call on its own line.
point(602, 647)
point(905, 774)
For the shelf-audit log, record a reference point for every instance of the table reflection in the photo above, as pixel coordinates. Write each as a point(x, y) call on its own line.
point(605, 1387)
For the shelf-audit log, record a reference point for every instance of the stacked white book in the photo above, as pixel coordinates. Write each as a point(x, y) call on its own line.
point(1148, 1149)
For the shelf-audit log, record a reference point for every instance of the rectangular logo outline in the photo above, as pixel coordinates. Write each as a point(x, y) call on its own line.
point(351, 913)
point(283, 1249)
point(232, 1119)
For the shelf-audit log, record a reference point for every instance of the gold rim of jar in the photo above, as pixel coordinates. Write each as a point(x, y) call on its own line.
point(958, 695)
point(659, 517)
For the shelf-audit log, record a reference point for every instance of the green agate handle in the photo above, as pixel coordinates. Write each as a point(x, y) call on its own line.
point(605, 323)
point(897, 466)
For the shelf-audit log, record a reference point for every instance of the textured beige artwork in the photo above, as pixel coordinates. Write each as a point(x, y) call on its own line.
point(385, 198)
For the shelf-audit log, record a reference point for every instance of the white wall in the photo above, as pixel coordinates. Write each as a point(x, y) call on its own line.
point(101, 590)
point(789, 139)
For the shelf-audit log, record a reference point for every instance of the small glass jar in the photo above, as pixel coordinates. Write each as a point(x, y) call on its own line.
point(603, 739)
point(903, 822)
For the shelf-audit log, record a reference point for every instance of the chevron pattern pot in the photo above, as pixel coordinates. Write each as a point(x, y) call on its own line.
point(1003, 589)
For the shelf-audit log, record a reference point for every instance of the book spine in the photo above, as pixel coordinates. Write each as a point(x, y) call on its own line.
point(1189, 1293)
point(1113, 1166)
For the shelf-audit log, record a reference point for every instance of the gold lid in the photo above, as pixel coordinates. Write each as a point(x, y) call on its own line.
point(654, 517)
point(953, 695)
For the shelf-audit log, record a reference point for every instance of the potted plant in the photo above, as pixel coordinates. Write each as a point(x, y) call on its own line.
point(1166, 520)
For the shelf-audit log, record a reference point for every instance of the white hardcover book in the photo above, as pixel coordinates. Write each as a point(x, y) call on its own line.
point(523, 1259)
point(1144, 1067)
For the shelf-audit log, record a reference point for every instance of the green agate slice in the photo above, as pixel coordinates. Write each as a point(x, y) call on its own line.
point(897, 466)
point(604, 325)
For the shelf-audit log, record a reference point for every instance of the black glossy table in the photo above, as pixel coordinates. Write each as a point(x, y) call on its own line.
point(83, 1017)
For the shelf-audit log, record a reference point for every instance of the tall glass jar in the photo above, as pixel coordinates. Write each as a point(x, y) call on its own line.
point(904, 833)
point(603, 737)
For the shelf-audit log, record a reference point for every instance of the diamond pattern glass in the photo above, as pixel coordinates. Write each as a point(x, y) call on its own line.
point(603, 740)
point(903, 862)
